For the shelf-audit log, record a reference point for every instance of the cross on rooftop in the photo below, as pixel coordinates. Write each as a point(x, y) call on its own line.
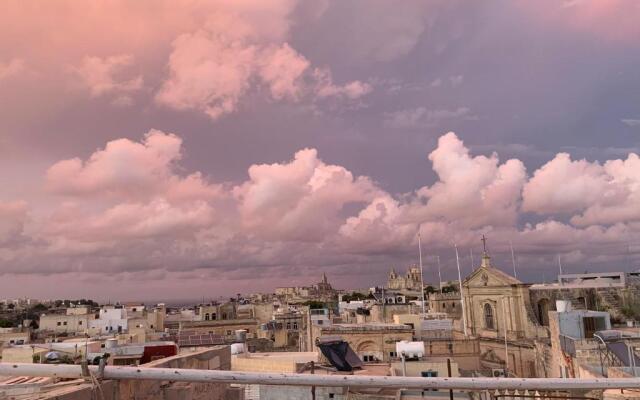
point(484, 243)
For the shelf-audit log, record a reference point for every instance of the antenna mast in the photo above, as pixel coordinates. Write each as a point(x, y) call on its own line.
point(464, 313)
point(513, 260)
point(421, 276)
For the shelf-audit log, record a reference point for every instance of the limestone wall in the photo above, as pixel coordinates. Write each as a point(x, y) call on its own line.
point(211, 358)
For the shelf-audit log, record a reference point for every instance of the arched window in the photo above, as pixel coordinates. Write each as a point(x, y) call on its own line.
point(489, 323)
point(543, 312)
point(206, 317)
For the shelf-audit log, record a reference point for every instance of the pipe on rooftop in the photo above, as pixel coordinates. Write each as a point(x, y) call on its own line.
point(216, 376)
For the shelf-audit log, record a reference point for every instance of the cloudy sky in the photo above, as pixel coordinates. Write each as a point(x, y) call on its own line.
point(179, 149)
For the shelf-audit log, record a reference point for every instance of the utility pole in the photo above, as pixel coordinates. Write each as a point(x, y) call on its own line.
point(559, 265)
point(421, 275)
point(464, 313)
point(472, 264)
point(506, 346)
point(439, 275)
point(513, 260)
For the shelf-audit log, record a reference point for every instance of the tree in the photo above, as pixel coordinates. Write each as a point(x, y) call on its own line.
point(11, 306)
point(39, 308)
point(5, 323)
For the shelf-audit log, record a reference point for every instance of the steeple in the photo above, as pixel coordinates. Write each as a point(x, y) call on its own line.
point(486, 260)
point(324, 278)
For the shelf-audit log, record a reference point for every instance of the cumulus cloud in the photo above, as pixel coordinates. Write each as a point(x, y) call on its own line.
point(129, 207)
point(631, 122)
point(103, 76)
point(589, 192)
point(125, 170)
point(213, 68)
point(300, 200)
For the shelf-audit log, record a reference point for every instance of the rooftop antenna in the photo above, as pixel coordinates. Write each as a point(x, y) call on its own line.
point(472, 264)
point(513, 260)
point(464, 314)
point(421, 276)
point(559, 265)
point(439, 275)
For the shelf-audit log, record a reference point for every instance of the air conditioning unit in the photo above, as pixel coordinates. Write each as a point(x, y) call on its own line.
point(498, 373)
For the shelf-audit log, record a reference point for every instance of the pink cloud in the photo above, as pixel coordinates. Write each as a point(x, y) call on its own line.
point(214, 67)
point(300, 200)
point(126, 207)
point(11, 68)
point(128, 170)
point(472, 191)
point(588, 192)
point(101, 76)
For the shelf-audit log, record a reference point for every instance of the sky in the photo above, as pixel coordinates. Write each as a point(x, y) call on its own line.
point(187, 149)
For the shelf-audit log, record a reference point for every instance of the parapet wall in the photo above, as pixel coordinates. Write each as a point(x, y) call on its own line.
point(213, 358)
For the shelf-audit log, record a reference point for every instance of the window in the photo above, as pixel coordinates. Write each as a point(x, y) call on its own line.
point(488, 317)
point(79, 322)
point(213, 316)
point(319, 322)
point(453, 305)
point(59, 323)
point(228, 332)
point(393, 354)
point(288, 326)
point(295, 326)
point(64, 323)
point(224, 315)
point(206, 317)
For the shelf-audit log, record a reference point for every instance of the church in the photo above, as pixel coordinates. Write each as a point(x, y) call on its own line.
point(411, 282)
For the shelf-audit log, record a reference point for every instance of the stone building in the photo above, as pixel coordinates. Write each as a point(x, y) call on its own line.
point(372, 342)
point(411, 282)
point(321, 291)
point(601, 291)
point(448, 303)
point(498, 305)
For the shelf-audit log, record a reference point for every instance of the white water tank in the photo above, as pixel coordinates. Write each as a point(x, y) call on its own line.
point(410, 349)
point(563, 305)
point(237, 348)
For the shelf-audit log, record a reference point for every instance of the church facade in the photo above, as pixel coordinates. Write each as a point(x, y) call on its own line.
point(411, 282)
point(496, 306)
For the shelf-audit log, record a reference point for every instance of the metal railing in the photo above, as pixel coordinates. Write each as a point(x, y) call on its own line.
point(353, 381)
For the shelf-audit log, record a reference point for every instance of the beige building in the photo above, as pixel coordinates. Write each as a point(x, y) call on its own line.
point(372, 342)
point(498, 305)
point(411, 282)
point(221, 327)
point(69, 323)
point(9, 336)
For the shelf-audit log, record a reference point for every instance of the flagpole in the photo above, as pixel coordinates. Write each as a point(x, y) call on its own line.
point(421, 275)
point(439, 275)
point(464, 313)
point(513, 260)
